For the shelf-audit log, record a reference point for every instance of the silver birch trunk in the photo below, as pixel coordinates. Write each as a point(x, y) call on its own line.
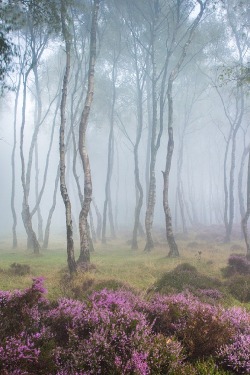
point(63, 187)
point(84, 257)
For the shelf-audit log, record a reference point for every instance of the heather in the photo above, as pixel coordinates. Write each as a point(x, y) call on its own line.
point(119, 332)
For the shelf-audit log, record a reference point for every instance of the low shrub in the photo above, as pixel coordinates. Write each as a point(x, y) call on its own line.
point(237, 264)
point(84, 285)
point(236, 355)
point(209, 367)
point(239, 287)
point(200, 327)
point(183, 277)
point(19, 269)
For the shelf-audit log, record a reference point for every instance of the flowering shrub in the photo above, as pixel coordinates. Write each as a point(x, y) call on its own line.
point(236, 355)
point(117, 333)
point(202, 328)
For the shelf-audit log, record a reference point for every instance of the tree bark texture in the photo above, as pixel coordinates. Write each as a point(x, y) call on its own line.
point(84, 257)
point(63, 186)
point(152, 181)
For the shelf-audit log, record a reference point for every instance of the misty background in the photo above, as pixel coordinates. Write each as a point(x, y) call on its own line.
point(210, 114)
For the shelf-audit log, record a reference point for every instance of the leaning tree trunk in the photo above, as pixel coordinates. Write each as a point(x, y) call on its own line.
point(63, 186)
point(84, 257)
point(247, 214)
point(51, 211)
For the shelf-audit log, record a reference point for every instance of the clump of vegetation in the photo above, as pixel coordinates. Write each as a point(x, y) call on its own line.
point(237, 264)
point(19, 269)
point(239, 287)
point(237, 273)
point(183, 277)
point(81, 287)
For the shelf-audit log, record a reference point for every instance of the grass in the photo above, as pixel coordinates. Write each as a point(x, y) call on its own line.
point(113, 261)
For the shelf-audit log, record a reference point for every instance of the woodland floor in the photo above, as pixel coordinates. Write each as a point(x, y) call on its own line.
point(115, 262)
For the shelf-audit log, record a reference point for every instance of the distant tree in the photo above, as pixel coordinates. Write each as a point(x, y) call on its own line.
point(234, 103)
point(108, 198)
point(247, 213)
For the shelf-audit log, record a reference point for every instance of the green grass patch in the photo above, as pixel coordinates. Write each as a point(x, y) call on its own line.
point(115, 265)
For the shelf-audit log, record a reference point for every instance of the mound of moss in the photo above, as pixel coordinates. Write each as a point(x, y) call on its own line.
point(81, 287)
point(186, 277)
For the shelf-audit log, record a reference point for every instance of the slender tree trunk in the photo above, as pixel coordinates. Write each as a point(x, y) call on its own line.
point(40, 194)
point(155, 139)
point(99, 220)
point(247, 213)
point(63, 186)
point(37, 51)
point(152, 181)
point(138, 184)
point(39, 215)
point(80, 195)
point(107, 203)
point(179, 185)
point(32, 240)
point(173, 249)
point(51, 211)
point(84, 257)
point(240, 178)
point(229, 192)
point(110, 205)
point(13, 168)
point(149, 138)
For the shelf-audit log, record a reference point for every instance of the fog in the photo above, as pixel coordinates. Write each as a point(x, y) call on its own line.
point(132, 81)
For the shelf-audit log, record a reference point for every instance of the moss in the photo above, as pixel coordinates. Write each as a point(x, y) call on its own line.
point(239, 287)
point(184, 276)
